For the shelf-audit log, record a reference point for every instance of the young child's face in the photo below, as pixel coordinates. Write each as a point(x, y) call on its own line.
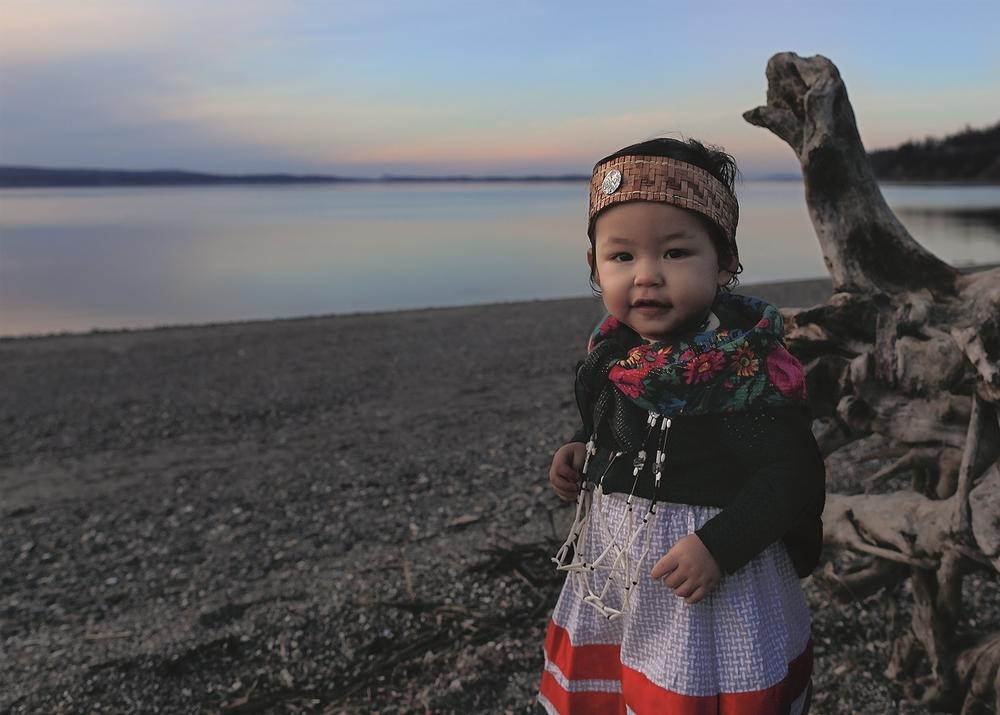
point(657, 267)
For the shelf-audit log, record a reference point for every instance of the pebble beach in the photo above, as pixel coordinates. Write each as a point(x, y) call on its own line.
point(338, 514)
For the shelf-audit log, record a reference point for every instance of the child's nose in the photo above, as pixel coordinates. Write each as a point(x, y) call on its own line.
point(647, 273)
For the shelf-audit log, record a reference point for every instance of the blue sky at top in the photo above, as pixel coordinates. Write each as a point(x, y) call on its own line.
point(461, 87)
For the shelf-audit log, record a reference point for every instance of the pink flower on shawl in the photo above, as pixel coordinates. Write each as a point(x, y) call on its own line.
point(628, 381)
point(629, 373)
point(786, 373)
point(610, 324)
point(658, 357)
point(642, 360)
point(704, 367)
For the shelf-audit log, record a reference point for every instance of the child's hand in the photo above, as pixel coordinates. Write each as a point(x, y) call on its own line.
point(564, 474)
point(689, 568)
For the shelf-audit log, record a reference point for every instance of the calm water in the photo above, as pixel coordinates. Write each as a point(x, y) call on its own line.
point(76, 259)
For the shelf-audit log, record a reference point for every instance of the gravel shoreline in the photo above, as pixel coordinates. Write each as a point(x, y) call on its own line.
point(327, 514)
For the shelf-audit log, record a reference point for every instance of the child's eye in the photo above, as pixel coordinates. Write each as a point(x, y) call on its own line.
point(621, 257)
point(678, 251)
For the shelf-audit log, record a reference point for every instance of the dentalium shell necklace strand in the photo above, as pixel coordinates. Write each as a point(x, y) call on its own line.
point(614, 560)
point(719, 370)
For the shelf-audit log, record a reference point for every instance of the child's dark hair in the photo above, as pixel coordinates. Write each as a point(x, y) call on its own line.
point(710, 158)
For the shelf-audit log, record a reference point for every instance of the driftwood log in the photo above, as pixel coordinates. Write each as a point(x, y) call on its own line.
point(903, 367)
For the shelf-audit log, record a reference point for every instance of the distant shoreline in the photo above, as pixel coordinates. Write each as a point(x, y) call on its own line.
point(968, 157)
point(15, 177)
point(25, 177)
point(29, 177)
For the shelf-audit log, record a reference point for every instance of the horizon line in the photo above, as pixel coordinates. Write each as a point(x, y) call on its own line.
point(15, 176)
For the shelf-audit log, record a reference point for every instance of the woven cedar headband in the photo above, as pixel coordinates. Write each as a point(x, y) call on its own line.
point(659, 178)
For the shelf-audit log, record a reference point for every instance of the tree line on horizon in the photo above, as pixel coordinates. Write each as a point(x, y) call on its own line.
point(971, 155)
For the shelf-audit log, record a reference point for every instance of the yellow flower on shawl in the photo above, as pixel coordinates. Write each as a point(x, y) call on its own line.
point(746, 362)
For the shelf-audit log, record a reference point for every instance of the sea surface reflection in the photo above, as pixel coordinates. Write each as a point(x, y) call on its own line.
point(78, 259)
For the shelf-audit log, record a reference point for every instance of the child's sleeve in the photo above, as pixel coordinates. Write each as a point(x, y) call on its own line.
point(583, 404)
point(785, 480)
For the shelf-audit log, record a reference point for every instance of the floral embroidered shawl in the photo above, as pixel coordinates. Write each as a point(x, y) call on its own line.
point(727, 369)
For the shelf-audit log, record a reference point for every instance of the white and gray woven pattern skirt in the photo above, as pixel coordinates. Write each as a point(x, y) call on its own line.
point(745, 649)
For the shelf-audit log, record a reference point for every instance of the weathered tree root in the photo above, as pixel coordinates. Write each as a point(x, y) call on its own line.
point(979, 666)
point(862, 582)
point(902, 363)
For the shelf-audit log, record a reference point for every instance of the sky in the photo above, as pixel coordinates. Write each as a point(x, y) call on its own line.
point(449, 87)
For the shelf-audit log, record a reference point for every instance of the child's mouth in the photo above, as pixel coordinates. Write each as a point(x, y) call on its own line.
point(646, 306)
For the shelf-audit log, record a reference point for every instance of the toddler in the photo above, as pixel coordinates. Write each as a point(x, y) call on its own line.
point(698, 483)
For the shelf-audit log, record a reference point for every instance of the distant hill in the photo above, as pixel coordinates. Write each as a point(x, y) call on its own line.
point(972, 155)
point(23, 176)
point(28, 176)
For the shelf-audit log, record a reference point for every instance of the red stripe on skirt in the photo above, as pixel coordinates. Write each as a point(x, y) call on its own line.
point(603, 662)
point(583, 662)
point(580, 702)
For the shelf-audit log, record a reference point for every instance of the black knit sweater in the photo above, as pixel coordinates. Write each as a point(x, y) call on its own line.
point(763, 468)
